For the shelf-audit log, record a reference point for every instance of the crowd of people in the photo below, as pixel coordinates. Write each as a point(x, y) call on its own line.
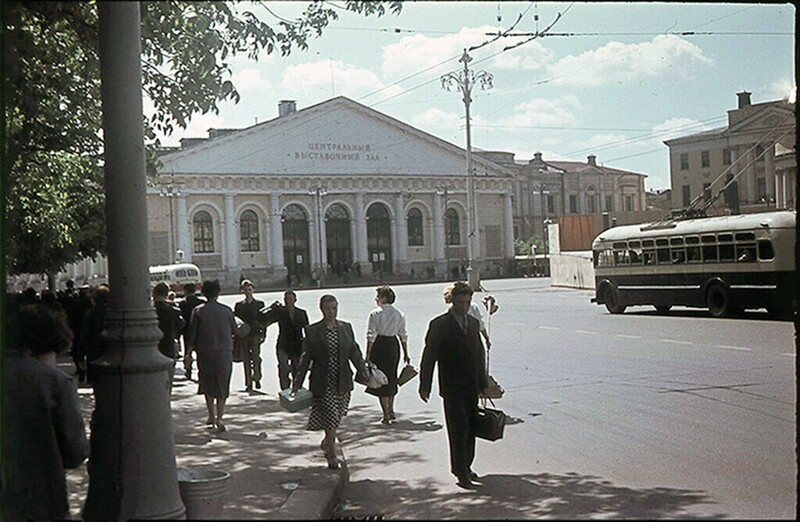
point(203, 330)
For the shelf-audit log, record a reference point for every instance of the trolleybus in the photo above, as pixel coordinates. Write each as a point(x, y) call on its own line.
point(176, 276)
point(726, 264)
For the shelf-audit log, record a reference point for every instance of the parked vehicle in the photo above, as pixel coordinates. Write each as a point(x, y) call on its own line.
point(176, 276)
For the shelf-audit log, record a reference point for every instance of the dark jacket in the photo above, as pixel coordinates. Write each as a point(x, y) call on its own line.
point(460, 355)
point(187, 305)
point(290, 331)
point(249, 313)
point(315, 355)
point(171, 323)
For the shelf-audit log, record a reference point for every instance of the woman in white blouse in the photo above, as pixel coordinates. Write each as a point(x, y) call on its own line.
point(386, 332)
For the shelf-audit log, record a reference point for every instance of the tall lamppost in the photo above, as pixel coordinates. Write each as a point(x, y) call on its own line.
point(444, 190)
point(170, 191)
point(464, 80)
point(541, 190)
point(319, 191)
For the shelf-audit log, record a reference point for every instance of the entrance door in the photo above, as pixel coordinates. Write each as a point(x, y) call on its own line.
point(295, 242)
point(337, 231)
point(379, 238)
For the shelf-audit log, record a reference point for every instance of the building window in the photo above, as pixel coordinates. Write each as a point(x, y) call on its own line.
point(573, 204)
point(707, 191)
point(761, 189)
point(591, 206)
point(551, 204)
point(609, 203)
point(452, 228)
point(248, 232)
point(203, 228)
point(685, 161)
point(415, 237)
point(727, 157)
point(705, 159)
point(337, 239)
point(629, 203)
point(295, 241)
point(687, 195)
point(759, 152)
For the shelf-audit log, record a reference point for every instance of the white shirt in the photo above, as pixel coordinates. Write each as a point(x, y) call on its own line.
point(388, 321)
point(475, 311)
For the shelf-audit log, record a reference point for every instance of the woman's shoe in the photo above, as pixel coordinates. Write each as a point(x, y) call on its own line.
point(392, 416)
point(221, 427)
point(385, 420)
point(333, 462)
point(210, 421)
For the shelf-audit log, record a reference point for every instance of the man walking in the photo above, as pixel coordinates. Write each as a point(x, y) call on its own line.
point(247, 310)
point(453, 341)
point(190, 301)
point(289, 347)
point(170, 321)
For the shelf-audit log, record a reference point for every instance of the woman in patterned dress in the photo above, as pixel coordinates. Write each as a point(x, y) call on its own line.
point(327, 348)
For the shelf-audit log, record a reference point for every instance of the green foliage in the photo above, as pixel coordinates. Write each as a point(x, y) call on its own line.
point(523, 248)
point(53, 183)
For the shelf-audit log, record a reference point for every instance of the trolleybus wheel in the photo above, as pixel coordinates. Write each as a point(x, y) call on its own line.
point(610, 299)
point(718, 300)
point(662, 309)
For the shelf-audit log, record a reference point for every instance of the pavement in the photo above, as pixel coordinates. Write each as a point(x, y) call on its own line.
point(277, 470)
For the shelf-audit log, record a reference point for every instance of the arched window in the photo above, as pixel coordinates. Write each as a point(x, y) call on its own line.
point(248, 232)
point(591, 199)
point(415, 237)
point(203, 228)
point(452, 228)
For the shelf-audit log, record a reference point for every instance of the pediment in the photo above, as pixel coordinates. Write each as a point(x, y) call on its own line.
point(768, 118)
point(335, 137)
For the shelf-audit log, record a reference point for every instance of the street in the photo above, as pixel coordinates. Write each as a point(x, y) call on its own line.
point(629, 416)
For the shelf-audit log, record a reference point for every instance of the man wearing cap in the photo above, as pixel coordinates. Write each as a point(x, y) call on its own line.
point(248, 311)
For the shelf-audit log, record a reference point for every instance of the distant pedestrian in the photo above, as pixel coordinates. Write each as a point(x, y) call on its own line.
point(329, 347)
point(292, 322)
point(170, 322)
point(248, 311)
point(453, 342)
point(43, 428)
point(210, 335)
point(91, 344)
point(190, 301)
point(386, 332)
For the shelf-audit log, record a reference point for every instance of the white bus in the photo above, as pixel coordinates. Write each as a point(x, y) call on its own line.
point(176, 276)
point(726, 264)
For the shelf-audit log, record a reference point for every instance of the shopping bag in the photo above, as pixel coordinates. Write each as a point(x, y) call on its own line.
point(406, 374)
point(489, 423)
point(374, 377)
point(293, 403)
point(242, 328)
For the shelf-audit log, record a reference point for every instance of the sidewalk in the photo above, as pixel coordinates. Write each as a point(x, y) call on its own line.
point(277, 468)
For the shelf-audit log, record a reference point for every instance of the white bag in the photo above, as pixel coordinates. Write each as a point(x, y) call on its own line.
point(376, 377)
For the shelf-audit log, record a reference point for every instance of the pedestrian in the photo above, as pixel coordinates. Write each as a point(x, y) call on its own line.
point(190, 301)
point(453, 342)
point(327, 348)
point(210, 335)
point(43, 428)
point(170, 322)
point(91, 345)
point(292, 322)
point(248, 311)
point(474, 311)
point(386, 332)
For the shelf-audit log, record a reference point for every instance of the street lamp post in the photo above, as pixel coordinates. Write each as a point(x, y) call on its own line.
point(464, 80)
point(170, 191)
point(541, 190)
point(319, 191)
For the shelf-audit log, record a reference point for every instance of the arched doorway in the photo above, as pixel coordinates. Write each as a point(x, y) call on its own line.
point(337, 232)
point(295, 241)
point(379, 238)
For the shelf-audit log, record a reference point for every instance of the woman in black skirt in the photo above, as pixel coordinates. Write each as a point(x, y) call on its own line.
point(386, 332)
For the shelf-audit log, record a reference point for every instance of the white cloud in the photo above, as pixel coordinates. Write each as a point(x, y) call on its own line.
point(250, 79)
point(677, 127)
point(784, 89)
point(333, 78)
point(616, 61)
point(531, 56)
point(544, 112)
point(439, 120)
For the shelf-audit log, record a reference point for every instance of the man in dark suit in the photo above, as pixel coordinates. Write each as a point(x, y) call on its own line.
point(190, 301)
point(170, 321)
point(248, 311)
point(453, 341)
point(291, 332)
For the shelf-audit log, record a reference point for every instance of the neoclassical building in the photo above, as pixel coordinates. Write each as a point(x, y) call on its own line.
point(334, 190)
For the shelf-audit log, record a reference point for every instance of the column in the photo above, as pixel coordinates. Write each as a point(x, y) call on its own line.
point(360, 218)
point(751, 177)
point(229, 239)
point(508, 226)
point(438, 230)
point(276, 232)
point(184, 239)
point(400, 233)
point(477, 248)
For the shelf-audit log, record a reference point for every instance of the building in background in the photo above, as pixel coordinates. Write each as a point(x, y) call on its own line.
point(747, 166)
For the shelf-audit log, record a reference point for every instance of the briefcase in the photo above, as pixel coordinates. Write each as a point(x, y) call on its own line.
point(300, 401)
point(406, 374)
point(489, 424)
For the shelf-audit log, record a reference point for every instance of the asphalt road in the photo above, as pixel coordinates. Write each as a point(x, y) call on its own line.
point(637, 415)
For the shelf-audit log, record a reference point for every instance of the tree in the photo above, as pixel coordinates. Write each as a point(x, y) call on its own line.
point(52, 171)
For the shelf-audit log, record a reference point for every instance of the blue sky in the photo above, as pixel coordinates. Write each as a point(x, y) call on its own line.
point(612, 79)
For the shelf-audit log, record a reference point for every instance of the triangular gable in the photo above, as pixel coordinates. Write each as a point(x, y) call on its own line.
point(768, 118)
point(335, 137)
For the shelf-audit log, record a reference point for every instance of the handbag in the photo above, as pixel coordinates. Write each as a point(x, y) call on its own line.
point(489, 423)
point(297, 402)
point(406, 374)
point(374, 378)
point(239, 349)
point(242, 328)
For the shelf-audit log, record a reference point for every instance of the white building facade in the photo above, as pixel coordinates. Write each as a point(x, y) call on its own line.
point(333, 191)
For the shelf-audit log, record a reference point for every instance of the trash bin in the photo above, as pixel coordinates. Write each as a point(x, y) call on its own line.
point(203, 492)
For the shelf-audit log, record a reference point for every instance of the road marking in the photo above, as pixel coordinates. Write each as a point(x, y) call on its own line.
point(585, 332)
point(674, 341)
point(740, 348)
point(790, 354)
point(549, 327)
point(629, 336)
point(516, 324)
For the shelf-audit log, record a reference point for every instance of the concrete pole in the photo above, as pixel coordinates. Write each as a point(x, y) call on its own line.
point(132, 471)
point(473, 271)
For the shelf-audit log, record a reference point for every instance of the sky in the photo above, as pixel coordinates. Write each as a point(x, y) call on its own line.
point(613, 80)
